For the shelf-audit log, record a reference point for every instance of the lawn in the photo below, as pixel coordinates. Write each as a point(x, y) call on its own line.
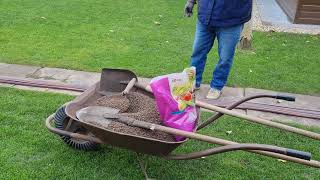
point(148, 37)
point(30, 151)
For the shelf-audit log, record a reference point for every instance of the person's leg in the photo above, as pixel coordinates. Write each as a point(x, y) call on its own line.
point(228, 39)
point(203, 43)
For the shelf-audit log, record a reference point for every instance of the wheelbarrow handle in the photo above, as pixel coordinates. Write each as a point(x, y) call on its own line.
point(285, 97)
point(243, 100)
point(267, 150)
point(258, 120)
point(246, 147)
point(298, 154)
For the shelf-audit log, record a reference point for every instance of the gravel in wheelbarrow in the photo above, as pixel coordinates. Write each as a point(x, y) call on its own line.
point(137, 106)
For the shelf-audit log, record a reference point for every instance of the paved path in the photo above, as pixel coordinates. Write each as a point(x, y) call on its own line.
point(87, 79)
point(268, 16)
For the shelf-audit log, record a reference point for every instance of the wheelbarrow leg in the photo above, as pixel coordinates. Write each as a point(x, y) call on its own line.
point(143, 165)
point(234, 147)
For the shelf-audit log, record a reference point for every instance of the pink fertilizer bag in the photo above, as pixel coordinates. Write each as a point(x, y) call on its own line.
point(175, 100)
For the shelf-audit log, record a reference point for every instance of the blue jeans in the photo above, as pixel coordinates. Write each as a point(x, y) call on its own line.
point(228, 38)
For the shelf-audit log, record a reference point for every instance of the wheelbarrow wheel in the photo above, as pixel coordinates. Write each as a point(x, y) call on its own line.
point(61, 121)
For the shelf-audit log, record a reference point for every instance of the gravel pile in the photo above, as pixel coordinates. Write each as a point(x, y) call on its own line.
point(137, 106)
point(116, 101)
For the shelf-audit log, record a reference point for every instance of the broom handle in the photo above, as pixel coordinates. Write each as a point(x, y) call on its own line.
point(258, 120)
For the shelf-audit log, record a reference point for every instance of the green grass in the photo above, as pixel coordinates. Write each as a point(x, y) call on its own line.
point(90, 35)
point(30, 151)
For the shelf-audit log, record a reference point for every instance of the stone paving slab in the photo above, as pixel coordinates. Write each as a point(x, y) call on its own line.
point(52, 73)
point(228, 96)
point(83, 79)
point(284, 118)
point(228, 93)
point(263, 25)
point(236, 110)
point(73, 93)
point(232, 92)
point(202, 92)
point(80, 78)
point(302, 101)
point(13, 70)
point(271, 14)
point(6, 85)
point(31, 88)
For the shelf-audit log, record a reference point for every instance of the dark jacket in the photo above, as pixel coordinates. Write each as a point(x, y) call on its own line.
point(224, 13)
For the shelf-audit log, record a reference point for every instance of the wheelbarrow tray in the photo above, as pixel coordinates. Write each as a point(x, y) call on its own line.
point(132, 142)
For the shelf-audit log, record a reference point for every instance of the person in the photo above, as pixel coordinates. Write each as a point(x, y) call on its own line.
point(222, 20)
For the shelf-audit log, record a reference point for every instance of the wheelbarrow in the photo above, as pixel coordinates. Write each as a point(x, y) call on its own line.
point(82, 135)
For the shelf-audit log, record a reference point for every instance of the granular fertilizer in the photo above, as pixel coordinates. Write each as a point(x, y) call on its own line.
point(137, 106)
point(116, 101)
